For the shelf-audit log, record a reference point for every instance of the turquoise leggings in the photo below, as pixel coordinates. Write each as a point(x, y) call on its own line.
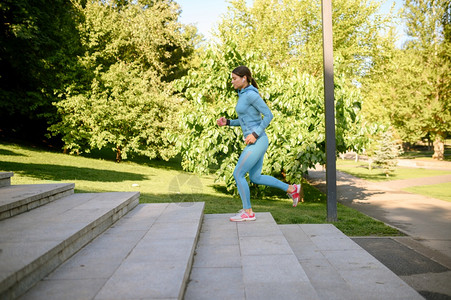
point(251, 161)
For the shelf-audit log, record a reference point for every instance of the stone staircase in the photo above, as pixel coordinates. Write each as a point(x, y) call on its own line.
point(55, 244)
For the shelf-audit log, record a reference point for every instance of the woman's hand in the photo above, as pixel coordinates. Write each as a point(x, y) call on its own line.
point(221, 121)
point(250, 139)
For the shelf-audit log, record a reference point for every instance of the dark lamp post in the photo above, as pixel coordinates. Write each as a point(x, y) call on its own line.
point(329, 104)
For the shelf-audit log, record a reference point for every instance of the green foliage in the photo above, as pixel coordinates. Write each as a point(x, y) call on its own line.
point(124, 110)
point(124, 101)
point(289, 33)
point(38, 42)
point(296, 134)
point(411, 88)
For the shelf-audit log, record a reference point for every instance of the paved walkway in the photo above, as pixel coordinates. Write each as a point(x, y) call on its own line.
point(426, 221)
point(263, 260)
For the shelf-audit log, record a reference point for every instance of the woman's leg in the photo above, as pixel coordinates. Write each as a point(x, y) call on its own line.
point(255, 172)
point(248, 159)
point(245, 162)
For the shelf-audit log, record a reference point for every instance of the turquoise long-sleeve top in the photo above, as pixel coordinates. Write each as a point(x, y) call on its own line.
point(250, 108)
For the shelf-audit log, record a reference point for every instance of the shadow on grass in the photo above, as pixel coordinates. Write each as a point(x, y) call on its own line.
point(62, 173)
point(104, 154)
point(109, 155)
point(9, 152)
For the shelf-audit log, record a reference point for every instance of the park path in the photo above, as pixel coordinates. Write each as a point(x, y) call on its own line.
point(425, 219)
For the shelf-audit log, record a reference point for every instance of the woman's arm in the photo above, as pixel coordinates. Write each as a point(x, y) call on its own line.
point(223, 121)
point(261, 107)
point(234, 122)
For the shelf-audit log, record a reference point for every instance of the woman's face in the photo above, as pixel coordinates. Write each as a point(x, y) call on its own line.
point(239, 82)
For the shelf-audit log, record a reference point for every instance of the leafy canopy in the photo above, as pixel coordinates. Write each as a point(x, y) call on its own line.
point(124, 101)
point(411, 87)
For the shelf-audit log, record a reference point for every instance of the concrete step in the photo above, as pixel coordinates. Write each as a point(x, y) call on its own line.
point(17, 199)
point(338, 268)
point(36, 242)
point(145, 255)
point(5, 178)
point(250, 260)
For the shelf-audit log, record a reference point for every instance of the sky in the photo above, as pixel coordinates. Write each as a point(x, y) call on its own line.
point(205, 14)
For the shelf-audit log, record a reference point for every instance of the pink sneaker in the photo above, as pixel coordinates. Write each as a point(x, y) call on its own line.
point(242, 215)
point(297, 195)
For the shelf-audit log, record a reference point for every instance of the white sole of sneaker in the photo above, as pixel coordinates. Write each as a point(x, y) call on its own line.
point(243, 220)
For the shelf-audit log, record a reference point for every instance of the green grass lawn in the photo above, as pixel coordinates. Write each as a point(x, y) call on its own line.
point(160, 181)
point(361, 170)
point(440, 191)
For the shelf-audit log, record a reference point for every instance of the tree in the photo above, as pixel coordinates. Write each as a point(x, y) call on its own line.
point(426, 25)
point(386, 151)
point(288, 33)
point(411, 88)
point(125, 99)
point(38, 43)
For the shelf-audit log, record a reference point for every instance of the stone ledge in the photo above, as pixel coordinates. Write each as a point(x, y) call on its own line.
point(17, 199)
point(5, 178)
point(35, 243)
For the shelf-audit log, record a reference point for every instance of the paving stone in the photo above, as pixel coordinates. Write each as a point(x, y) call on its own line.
point(345, 260)
point(295, 233)
point(218, 231)
point(141, 280)
point(162, 231)
point(327, 281)
point(261, 266)
point(86, 263)
point(218, 256)
point(164, 250)
point(258, 230)
point(80, 289)
point(222, 239)
point(275, 244)
point(378, 285)
point(140, 218)
point(209, 283)
point(272, 268)
point(339, 269)
point(281, 290)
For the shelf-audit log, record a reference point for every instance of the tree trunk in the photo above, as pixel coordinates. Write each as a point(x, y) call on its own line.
point(439, 148)
point(118, 154)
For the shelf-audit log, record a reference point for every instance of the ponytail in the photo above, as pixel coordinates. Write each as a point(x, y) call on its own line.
point(254, 83)
point(244, 71)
